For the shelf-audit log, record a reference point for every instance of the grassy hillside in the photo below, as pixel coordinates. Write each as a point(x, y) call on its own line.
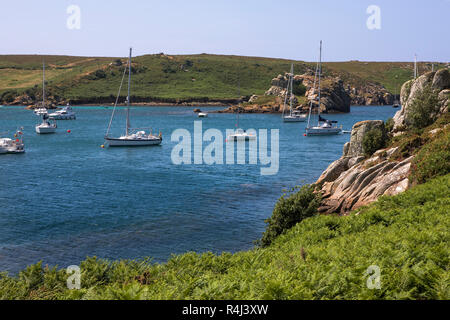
point(184, 77)
point(323, 257)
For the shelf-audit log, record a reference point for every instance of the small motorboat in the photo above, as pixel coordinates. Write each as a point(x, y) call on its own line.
point(202, 115)
point(241, 135)
point(65, 113)
point(8, 145)
point(40, 111)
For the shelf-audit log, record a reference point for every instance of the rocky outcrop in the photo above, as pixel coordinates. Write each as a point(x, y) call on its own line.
point(413, 90)
point(370, 95)
point(353, 181)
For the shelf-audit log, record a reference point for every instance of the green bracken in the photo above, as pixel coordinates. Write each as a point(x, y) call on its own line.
point(322, 257)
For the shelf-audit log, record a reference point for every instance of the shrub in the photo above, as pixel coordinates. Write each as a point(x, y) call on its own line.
point(423, 109)
point(433, 159)
point(299, 89)
point(291, 208)
point(389, 125)
point(373, 140)
point(9, 96)
point(100, 74)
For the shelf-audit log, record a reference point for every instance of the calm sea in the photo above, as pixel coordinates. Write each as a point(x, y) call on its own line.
point(66, 198)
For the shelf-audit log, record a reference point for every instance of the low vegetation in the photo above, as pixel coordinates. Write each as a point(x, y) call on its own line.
point(374, 140)
point(423, 110)
point(433, 160)
point(322, 257)
point(293, 207)
point(175, 78)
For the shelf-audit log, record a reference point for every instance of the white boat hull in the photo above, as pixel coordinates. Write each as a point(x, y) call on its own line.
point(12, 149)
point(45, 130)
point(62, 117)
point(319, 131)
point(294, 119)
point(116, 142)
point(240, 138)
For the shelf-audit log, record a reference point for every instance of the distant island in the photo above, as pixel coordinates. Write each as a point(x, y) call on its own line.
point(201, 79)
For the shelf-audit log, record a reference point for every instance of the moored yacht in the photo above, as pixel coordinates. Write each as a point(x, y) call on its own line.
point(8, 145)
point(293, 116)
point(324, 126)
point(133, 137)
point(47, 126)
point(241, 134)
point(65, 113)
point(40, 111)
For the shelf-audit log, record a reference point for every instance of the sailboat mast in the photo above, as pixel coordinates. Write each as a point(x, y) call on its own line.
point(415, 66)
point(43, 83)
point(292, 83)
point(320, 75)
point(128, 97)
point(239, 101)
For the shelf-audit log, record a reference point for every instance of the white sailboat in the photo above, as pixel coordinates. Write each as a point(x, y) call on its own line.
point(133, 136)
point(240, 134)
point(46, 126)
point(293, 116)
point(324, 126)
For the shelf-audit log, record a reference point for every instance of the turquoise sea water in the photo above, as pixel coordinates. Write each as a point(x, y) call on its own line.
point(66, 198)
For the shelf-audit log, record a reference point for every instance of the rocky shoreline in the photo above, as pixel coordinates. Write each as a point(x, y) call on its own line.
point(336, 96)
point(356, 179)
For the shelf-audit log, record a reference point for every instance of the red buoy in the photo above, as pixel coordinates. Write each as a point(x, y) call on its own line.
point(68, 131)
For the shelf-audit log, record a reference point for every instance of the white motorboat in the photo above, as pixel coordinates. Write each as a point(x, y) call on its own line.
point(133, 137)
point(8, 145)
point(240, 135)
point(202, 115)
point(293, 116)
point(324, 126)
point(65, 113)
point(40, 111)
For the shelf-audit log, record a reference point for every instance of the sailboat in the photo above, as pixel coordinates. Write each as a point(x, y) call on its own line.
point(324, 126)
point(133, 137)
point(47, 126)
point(294, 116)
point(240, 134)
point(396, 102)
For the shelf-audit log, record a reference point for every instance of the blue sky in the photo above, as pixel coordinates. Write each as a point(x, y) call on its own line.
point(282, 29)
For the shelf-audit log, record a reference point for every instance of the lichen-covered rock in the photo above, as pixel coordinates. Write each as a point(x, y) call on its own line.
point(359, 130)
point(353, 181)
point(370, 94)
point(364, 183)
point(412, 90)
point(441, 80)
